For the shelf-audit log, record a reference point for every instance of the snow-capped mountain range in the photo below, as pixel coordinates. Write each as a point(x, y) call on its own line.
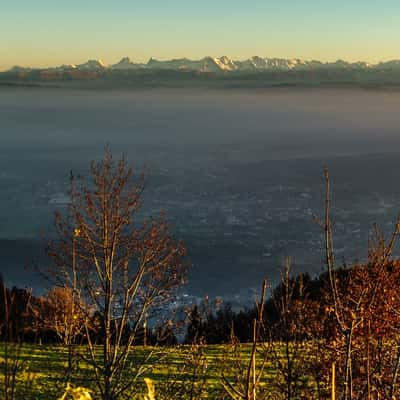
point(221, 64)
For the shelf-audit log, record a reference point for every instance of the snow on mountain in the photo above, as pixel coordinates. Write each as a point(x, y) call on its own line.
point(281, 63)
point(92, 65)
point(252, 64)
point(206, 64)
point(180, 63)
point(67, 66)
point(257, 63)
point(222, 64)
point(126, 63)
point(210, 64)
point(61, 68)
point(226, 64)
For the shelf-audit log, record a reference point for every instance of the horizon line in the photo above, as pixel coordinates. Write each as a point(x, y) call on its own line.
point(241, 59)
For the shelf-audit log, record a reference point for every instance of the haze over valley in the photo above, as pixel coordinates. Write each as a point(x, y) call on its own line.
point(238, 172)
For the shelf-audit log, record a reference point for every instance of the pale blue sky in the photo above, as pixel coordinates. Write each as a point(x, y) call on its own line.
point(49, 32)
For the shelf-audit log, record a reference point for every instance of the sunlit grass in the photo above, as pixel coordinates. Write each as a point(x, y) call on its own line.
point(44, 368)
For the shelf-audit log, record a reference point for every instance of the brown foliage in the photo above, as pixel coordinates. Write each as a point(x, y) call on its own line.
point(63, 313)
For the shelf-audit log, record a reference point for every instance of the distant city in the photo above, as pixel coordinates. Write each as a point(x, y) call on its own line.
point(239, 174)
point(242, 222)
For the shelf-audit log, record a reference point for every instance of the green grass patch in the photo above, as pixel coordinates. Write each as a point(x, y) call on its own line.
point(43, 372)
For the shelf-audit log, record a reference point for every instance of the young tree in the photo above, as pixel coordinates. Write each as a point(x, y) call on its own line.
point(63, 314)
point(247, 371)
point(289, 354)
point(121, 270)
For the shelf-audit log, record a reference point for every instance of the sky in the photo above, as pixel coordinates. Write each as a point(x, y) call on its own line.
point(52, 32)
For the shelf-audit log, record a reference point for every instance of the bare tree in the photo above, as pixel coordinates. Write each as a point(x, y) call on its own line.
point(247, 372)
point(364, 303)
point(289, 355)
point(121, 270)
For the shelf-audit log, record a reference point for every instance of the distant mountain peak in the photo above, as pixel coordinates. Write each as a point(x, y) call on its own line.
point(92, 65)
point(126, 63)
point(222, 64)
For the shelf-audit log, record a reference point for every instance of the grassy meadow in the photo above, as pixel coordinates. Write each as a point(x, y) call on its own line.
point(43, 370)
